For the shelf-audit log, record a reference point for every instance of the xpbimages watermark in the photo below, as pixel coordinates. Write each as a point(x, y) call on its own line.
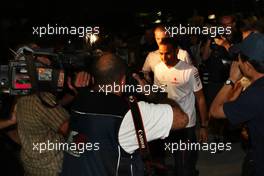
point(213, 31)
point(147, 89)
point(80, 147)
point(49, 29)
point(194, 146)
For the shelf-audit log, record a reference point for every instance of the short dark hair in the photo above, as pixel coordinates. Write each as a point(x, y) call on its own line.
point(247, 24)
point(170, 41)
point(107, 69)
point(258, 65)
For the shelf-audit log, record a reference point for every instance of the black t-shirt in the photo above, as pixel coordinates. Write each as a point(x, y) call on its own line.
point(215, 65)
point(249, 108)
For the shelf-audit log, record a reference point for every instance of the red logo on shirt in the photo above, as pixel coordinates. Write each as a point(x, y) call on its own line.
point(174, 81)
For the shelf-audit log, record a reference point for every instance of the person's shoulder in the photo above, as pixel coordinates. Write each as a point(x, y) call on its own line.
point(182, 51)
point(145, 105)
point(153, 53)
point(27, 97)
point(185, 65)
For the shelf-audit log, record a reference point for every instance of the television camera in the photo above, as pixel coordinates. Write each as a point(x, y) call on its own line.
point(42, 70)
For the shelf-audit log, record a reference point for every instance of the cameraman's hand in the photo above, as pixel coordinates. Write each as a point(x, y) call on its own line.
point(82, 80)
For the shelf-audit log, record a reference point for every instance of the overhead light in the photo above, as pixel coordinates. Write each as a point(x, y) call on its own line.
point(159, 13)
point(91, 38)
point(157, 21)
point(211, 17)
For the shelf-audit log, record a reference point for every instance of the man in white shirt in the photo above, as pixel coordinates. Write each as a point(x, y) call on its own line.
point(153, 57)
point(183, 85)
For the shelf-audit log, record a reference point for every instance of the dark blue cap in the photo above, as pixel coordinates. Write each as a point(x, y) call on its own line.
point(253, 47)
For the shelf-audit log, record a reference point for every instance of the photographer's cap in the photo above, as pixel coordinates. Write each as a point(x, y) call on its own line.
point(253, 46)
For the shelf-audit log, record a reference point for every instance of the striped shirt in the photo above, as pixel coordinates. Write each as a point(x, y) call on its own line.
point(38, 128)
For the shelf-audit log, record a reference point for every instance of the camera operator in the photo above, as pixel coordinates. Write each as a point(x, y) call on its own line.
point(38, 124)
point(104, 119)
point(215, 69)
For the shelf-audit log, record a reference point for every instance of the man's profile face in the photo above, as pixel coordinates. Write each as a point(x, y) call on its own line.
point(168, 54)
point(227, 21)
point(159, 35)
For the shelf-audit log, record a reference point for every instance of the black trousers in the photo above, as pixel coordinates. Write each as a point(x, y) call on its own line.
point(185, 160)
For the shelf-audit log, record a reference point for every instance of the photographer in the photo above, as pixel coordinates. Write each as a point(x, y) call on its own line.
point(248, 106)
point(214, 71)
point(104, 122)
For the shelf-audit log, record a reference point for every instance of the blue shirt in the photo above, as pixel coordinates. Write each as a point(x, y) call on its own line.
point(249, 108)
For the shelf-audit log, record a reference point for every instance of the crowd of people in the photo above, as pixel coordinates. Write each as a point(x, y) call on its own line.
point(212, 86)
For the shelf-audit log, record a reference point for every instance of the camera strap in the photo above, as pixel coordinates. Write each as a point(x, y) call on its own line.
point(141, 135)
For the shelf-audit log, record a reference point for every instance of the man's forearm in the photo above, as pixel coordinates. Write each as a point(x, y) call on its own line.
point(216, 109)
point(6, 123)
point(180, 118)
point(203, 112)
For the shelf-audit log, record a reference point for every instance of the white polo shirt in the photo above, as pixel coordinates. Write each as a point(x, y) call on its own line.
point(157, 121)
point(153, 59)
point(181, 82)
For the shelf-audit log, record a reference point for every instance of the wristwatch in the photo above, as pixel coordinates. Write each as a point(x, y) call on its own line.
point(229, 82)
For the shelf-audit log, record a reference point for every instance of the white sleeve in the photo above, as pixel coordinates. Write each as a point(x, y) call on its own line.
point(184, 56)
point(195, 81)
point(188, 58)
point(157, 120)
point(146, 67)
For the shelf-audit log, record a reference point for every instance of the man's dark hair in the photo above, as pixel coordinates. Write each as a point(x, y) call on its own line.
point(170, 41)
point(258, 65)
point(108, 69)
point(247, 24)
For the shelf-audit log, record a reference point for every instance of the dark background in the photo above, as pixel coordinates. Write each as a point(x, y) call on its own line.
point(18, 17)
